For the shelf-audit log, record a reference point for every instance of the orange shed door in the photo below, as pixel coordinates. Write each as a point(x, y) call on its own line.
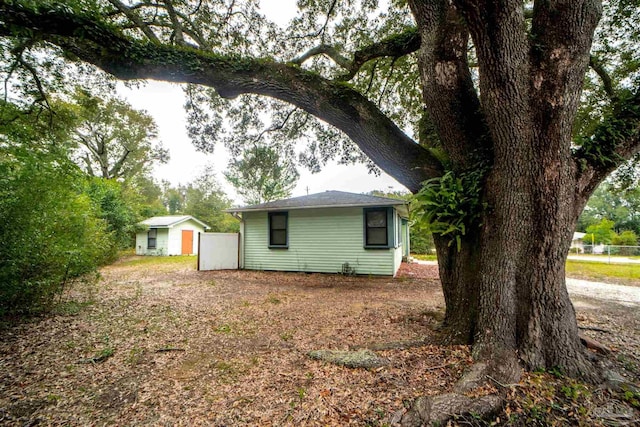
point(187, 242)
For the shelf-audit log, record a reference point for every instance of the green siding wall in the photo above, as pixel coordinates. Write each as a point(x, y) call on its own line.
point(162, 243)
point(320, 240)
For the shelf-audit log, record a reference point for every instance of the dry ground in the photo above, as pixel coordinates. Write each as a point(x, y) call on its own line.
point(162, 344)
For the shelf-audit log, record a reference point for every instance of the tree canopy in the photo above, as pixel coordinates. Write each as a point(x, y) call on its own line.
point(620, 205)
point(262, 174)
point(113, 140)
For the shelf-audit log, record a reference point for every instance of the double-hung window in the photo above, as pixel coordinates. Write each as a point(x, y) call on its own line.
point(278, 233)
point(152, 237)
point(376, 228)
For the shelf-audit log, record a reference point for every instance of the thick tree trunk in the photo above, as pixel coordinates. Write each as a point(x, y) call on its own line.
point(459, 276)
point(505, 288)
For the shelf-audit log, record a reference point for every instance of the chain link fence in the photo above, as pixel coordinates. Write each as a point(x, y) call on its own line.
point(616, 250)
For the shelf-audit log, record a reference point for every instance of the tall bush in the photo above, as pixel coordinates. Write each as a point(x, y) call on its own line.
point(111, 204)
point(50, 233)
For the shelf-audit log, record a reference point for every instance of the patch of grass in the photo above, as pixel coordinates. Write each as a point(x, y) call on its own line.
point(224, 329)
point(548, 398)
point(573, 390)
point(106, 352)
point(626, 274)
point(286, 336)
point(229, 371)
point(425, 257)
point(53, 398)
point(103, 355)
point(136, 355)
point(238, 329)
point(71, 308)
point(628, 364)
point(632, 397)
point(174, 261)
point(273, 299)
point(302, 392)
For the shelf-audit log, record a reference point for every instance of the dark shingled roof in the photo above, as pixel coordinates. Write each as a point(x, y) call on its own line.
point(322, 200)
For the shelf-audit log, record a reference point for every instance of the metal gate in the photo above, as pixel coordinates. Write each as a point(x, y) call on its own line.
point(218, 251)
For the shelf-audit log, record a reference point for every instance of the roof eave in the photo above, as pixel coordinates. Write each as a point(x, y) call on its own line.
point(173, 224)
point(283, 208)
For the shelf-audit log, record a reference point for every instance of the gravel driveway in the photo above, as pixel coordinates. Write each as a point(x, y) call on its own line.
point(625, 295)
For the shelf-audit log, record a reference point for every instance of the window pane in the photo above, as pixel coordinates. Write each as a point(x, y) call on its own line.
point(153, 233)
point(152, 243)
point(376, 236)
point(377, 219)
point(278, 237)
point(278, 222)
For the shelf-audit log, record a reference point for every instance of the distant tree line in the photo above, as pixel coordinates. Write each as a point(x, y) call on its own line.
point(612, 215)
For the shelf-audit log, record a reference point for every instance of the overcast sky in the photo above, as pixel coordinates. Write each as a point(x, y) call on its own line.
point(165, 101)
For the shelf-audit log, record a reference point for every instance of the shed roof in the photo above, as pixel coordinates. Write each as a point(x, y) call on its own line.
point(328, 199)
point(169, 221)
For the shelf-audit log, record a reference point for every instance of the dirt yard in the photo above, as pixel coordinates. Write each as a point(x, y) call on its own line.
point(163, 344)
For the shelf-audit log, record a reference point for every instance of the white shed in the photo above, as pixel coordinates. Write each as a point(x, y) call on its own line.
point(169, 235)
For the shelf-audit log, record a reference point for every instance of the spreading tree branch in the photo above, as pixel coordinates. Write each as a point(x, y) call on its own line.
point(117, 167)
point(386, 81)
point(395, 47)
point(322, 29)
point(614, 141)
point(323, 49)
point(87, 162)
point(449, 92)
point(177, 26)
point(276, 127)
point(192, 31)
point(326, 21)
point(599, 69)
point(335, 103)
point(133, 17)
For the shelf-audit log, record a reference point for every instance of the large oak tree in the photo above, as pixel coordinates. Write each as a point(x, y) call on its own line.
point(113, 140)
point(496, 127)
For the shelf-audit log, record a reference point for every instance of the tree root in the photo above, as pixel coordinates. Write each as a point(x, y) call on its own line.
point(594, 345)
point(440, 409)
point(503, 372)
point(444, 407)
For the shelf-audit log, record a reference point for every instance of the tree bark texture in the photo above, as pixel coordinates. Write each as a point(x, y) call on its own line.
point(505, 288)
point(504, 285)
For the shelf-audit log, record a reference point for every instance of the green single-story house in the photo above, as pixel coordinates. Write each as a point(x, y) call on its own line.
point(169, 235)
point(330, 232)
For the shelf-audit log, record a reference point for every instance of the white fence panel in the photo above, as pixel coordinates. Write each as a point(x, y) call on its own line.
point(218, 251)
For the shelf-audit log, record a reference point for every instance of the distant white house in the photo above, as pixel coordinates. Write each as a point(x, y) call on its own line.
point(577, 243)
point(169, 235)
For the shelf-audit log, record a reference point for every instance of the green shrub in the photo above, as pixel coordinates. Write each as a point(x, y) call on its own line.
point(50, 232)
point(110, 204)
